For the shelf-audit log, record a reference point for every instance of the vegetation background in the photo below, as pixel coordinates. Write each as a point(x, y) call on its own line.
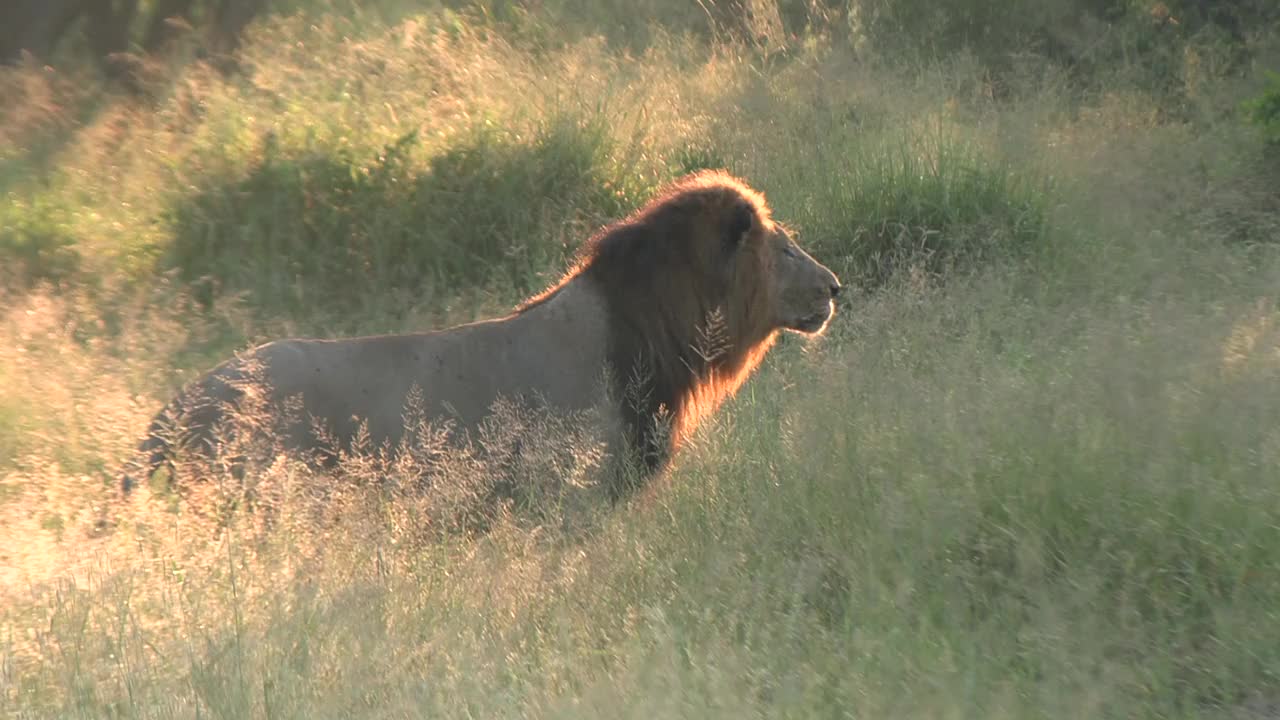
point(1031, 471)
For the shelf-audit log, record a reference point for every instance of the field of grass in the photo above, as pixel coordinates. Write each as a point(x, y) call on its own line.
point(1032, 469)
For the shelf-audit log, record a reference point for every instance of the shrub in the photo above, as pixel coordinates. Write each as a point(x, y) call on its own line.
point(36, 242)
point(692, 158)
point(1264, 110)
point(934, 202)
point(1165, 48)
point(324, 231)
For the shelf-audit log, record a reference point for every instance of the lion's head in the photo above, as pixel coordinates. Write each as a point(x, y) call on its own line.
point(697, 285)
point(805, 290)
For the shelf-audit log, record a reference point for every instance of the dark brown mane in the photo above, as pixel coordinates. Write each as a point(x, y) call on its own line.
point(687, 298)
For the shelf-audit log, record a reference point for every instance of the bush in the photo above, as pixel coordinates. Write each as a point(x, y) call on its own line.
point(692, 158)
point(108, 30)
point(933, 202)
point(1165, 48)
point(36, 243)
point(329, 231)
point(1264, 110)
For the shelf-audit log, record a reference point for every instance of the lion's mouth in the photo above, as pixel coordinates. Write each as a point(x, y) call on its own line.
point(815, 322)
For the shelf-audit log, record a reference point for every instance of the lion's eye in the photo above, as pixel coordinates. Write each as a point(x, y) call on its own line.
point(790, 251)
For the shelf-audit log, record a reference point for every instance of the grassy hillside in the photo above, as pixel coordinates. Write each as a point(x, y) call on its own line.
point(1030, 471)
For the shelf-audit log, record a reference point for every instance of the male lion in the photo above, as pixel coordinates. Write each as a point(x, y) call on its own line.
point(665, 314)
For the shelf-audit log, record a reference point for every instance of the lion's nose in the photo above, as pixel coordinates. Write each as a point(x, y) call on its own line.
point(835, 290)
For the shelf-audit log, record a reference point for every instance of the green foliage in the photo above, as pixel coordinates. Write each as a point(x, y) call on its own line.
point(1169, 49)
point(36, 243)
point(692, 158)
point(931, 201)
point(1264, 109)
point(919, 27)
point(329, 231)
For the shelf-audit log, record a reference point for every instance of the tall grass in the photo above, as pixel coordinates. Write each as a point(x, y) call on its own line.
point(329, 232)
point(1029, 471)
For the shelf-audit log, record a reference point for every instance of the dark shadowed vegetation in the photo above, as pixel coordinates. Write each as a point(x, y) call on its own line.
point(315, 231)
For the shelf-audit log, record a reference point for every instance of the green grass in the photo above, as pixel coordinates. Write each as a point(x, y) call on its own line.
point(1030, 471)
point(36, 242)
point(316, 231)
point(932, 200)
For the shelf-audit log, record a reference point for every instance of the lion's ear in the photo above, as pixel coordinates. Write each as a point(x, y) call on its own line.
point(741, 219)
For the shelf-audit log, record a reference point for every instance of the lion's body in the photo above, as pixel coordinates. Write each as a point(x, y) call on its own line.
point(683, 298)
point(552, 352)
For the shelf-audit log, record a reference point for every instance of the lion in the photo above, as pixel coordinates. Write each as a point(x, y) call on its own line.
point(663, 316)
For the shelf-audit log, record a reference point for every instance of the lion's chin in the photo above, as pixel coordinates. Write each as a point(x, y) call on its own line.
point(815, 323)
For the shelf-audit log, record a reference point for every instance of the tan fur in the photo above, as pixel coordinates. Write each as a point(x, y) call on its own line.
point(664, 316)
